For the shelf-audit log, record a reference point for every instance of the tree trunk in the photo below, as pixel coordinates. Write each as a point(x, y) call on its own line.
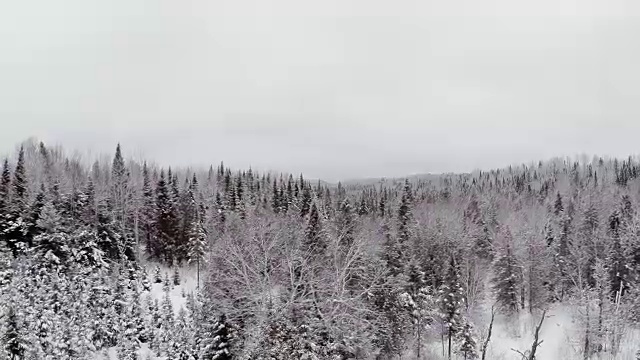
point(442, 339)
point(198, 273)
point(419, 339)
point(486, 341)
point(586, 336)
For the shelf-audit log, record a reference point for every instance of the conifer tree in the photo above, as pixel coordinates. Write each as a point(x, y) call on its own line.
point(218, 346)
point(197, 243)
point(306, 200)
point(120, 197)
point(616, 259)
point(13, 341)
point(393, 254)
point(19, 196)
point(346, 225)
point(468, 346)
point(167, 320)
point(404, 214)
point(157, 275)
point(451, 301)
point(508, 277)
point(5, 183)
point(149, 215)
point(418, 302)
point(275, 198)
point(314, 240)
point(176, 276)
point(164, 243)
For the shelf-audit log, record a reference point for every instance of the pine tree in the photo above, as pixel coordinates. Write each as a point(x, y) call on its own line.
point(182, 344)
point(314, 241)
point(382, 205)
point(149, 213)
point(19, 196)
point(218, 346)
point(157, 275)
point(166, 321)
point(144, 282)
point(164, 243)
point(166, 284)
point(404, 214)
point(197, 243)
point(14, 344)
point(176, 276)
point(363, 209)
point(305, 202)
point(418, 302)
point(616, 258)
point(508, 277)
point(468, 346)
point(452, 303)
point(346, 225)
point(5, 183)
point(14, 226)
point(393, 254)
point(120, 199)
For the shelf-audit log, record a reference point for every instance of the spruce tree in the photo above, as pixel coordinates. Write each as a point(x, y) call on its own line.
point(392, 251)
point(468, 346)
point(451, 300)
point(166, 321)
point(19, 196)
point(507, 277)
point(404, 214)
point(218, 346)
point(164, 244)
point(157, 275)
point(197, 243)
point(5, 183)
point(616, 258)
point(176, 276)
point(346, 225)
point(13, 341)
point(149, 213)
point(305, 202)
point(119, 200)
point(314, 240)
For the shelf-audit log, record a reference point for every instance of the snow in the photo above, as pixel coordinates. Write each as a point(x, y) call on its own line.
point(188, 278)
point(561, 338)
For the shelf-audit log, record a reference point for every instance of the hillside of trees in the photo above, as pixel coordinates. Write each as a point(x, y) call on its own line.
point(292, 269)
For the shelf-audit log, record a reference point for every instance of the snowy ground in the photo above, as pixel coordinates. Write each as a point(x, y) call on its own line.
point(187, 285)
point(561, 339)
point(560, 335)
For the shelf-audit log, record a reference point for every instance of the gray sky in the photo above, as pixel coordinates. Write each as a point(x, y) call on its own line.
point(333, 88)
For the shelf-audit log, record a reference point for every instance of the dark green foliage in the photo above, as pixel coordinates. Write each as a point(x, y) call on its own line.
point(218, 341)
point(452, 303)
point(164, 245)
point(13, 341)
point(507, 280)
point(404, 214)
point(314, 241)
point(305, 202)
point(468, 346)
point(5, 183)
point(176, 277)
point(19, 196)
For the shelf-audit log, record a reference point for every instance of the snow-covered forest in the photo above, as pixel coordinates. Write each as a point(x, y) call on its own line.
point(119, 258)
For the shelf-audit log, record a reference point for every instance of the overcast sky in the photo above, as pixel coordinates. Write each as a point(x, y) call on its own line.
point(333, 88)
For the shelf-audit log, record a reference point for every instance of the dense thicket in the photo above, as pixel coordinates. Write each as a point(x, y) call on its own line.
point(309, 270)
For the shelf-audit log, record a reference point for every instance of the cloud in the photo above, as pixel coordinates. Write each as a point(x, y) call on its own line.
point(335, 88)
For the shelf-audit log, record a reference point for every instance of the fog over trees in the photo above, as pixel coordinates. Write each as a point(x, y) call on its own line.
point(126, 259)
